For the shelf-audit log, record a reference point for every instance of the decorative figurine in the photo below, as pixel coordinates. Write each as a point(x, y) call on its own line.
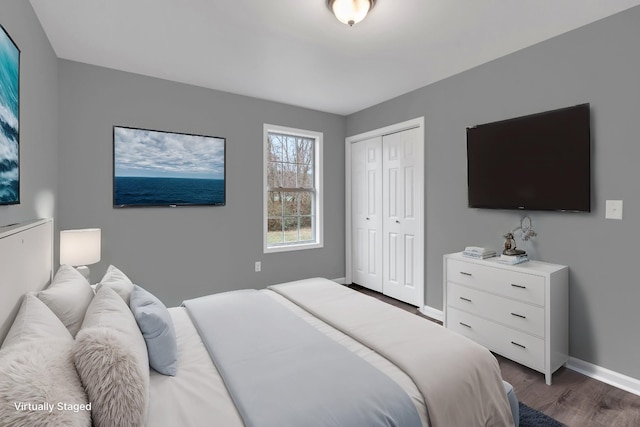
point(510, 245)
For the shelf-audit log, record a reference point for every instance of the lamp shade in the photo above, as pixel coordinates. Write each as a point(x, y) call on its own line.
point(80, 247)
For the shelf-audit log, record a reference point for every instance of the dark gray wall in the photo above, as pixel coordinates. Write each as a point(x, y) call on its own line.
point(599, 64)
point(178, 253)
point(38, 115)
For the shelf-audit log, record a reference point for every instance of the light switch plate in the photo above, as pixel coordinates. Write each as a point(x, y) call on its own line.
point(614, 209)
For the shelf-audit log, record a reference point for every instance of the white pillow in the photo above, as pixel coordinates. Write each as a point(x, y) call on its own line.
point(35, 322)
point(118, 281)
point(39, 372)
point(68, 297)
point(108, 310)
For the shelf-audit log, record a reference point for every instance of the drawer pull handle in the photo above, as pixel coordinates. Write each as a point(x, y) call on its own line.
point(464, 273)
point(519, 315)
point(465, 325)
point(465, 299)
point(518, 286)
point(519, 345)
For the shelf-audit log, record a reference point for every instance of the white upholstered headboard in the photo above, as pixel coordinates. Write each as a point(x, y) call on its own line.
point(26, 264)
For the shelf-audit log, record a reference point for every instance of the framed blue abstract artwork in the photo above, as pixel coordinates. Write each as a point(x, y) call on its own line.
point(9, 120)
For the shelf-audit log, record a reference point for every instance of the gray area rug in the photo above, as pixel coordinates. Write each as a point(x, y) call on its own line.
point(529, 417)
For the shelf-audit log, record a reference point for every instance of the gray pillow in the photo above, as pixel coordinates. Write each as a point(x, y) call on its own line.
point(112, 376)
point(39, 372)
point(111, 357)
point(157, 329)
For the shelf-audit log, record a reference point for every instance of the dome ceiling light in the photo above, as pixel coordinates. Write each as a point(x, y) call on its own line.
point(351, 11)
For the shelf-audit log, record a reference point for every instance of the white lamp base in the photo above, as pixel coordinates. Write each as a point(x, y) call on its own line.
point(84, 270)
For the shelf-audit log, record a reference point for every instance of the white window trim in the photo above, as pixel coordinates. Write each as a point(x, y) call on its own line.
point(318, 183)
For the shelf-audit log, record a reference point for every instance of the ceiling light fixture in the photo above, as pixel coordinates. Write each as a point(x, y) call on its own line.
point(351, 11)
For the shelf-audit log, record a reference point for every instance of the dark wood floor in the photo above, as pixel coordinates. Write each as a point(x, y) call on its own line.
point(574, 399)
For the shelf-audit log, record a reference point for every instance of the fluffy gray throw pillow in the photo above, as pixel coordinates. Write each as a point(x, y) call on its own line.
point(39, 386)
point(112, 377)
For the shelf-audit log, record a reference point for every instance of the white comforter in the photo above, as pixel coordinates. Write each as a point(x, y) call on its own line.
point(197, 396)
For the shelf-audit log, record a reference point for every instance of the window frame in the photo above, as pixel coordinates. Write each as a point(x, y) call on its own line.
point(317, 214)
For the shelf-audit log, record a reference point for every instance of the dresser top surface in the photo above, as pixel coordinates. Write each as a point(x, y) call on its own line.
point(531, 266)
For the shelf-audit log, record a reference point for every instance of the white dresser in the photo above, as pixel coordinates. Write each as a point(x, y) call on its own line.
point(520, 312)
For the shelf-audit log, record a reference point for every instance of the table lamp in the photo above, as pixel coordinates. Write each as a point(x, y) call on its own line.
point(79, 248)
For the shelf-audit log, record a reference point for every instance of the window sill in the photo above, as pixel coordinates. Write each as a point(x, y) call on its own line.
point(289, 248)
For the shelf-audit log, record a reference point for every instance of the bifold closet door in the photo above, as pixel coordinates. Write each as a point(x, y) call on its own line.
point(366, 214)
point(402, 224)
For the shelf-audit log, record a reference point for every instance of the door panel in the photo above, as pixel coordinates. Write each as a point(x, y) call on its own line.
point(402, 216)
point(409, 259)
point(366, 193)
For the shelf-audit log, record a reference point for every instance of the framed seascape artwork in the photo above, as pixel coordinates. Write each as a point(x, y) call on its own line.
point(9, 120)
point(158, 168)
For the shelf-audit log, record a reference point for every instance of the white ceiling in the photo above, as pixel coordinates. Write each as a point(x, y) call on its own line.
point(296, 52)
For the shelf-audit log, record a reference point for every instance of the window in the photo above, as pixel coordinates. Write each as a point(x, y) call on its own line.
point(293, 193)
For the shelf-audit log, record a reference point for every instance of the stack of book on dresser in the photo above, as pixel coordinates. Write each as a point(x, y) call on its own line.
point(512, 259)
point(478, 252)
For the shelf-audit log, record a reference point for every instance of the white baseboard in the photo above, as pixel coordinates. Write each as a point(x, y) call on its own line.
point(616, 379)
point(431, 312)
point(340, 280)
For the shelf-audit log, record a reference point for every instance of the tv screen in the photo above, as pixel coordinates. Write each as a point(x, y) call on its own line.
point(536, 162)
point(157, 168)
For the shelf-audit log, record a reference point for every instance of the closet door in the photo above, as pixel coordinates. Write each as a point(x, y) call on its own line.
point(366, 217)
point(403, 242)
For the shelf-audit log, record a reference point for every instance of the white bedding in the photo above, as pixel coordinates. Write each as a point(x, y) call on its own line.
point(450, 380)
point(459, 380)
point(197, 395)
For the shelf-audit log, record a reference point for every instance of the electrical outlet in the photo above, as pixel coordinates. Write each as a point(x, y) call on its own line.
point(258, 266)
point(613, 209)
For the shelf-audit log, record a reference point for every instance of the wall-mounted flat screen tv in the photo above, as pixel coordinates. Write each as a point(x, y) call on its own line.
point(157, 168)
point(536, 162)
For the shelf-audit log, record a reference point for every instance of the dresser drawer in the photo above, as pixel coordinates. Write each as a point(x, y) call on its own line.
point(515, 345)
point(511, 284)
point(515, 314)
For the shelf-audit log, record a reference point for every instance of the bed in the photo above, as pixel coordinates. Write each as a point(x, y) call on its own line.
point(310, 352)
